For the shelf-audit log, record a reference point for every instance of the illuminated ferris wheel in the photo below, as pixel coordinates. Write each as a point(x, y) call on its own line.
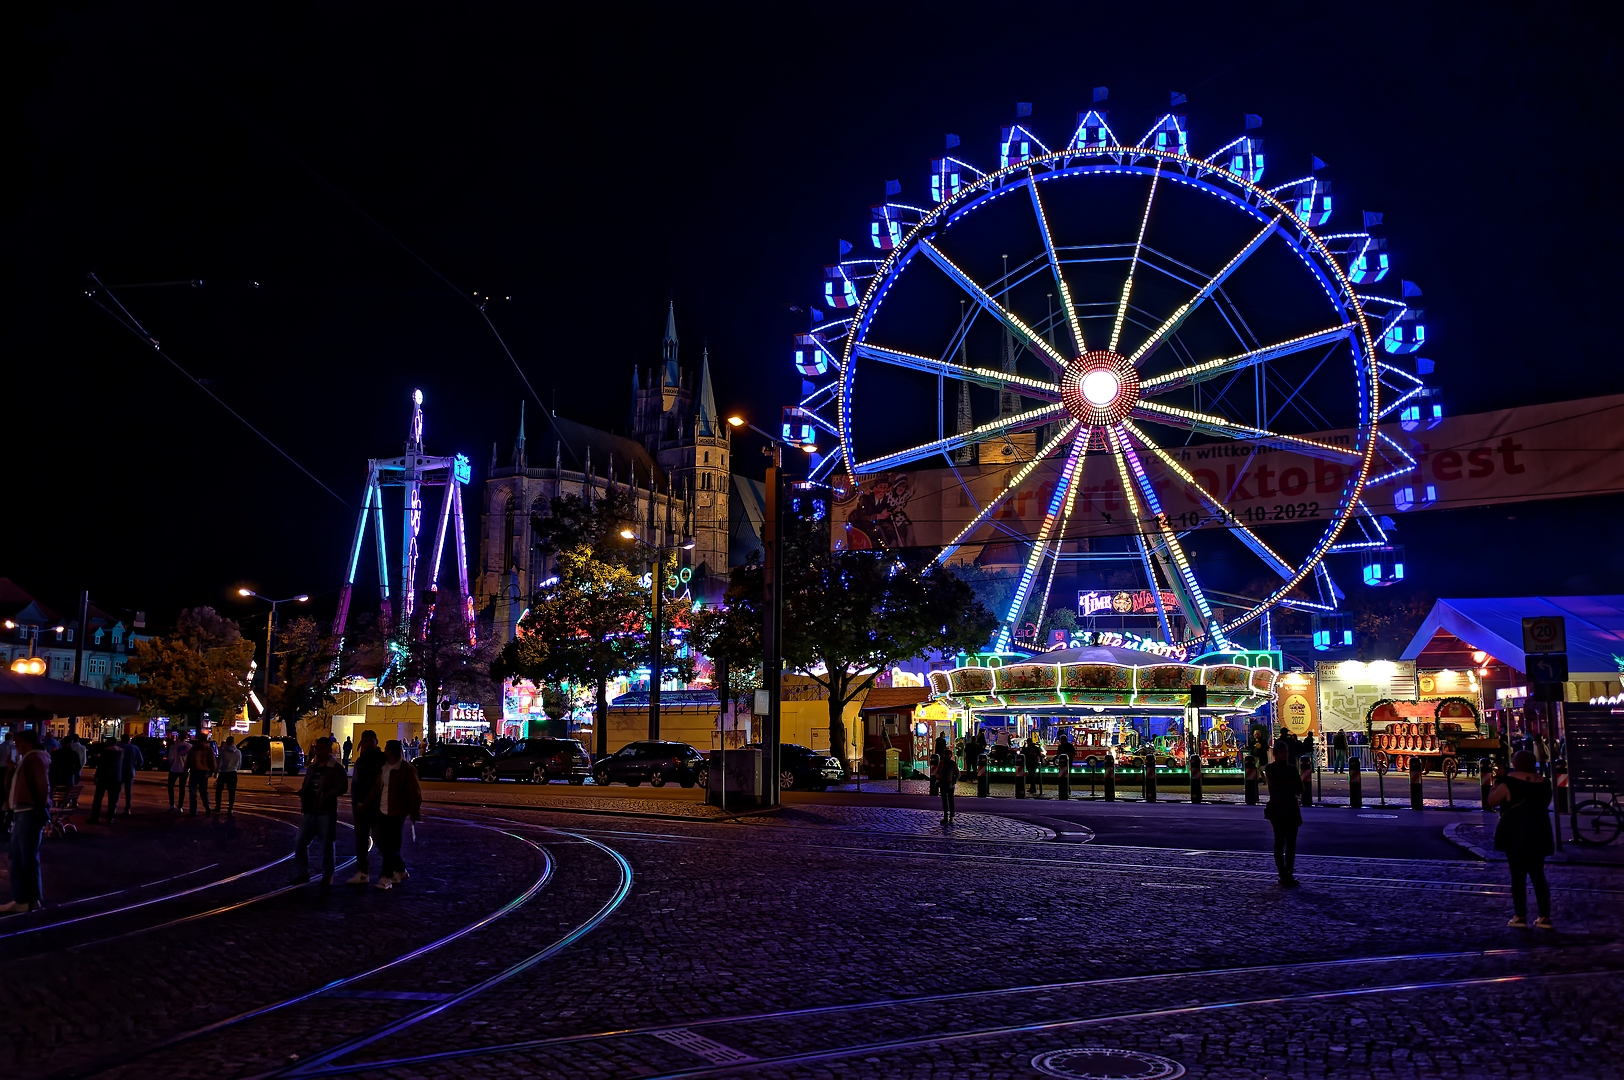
point(1120, 360)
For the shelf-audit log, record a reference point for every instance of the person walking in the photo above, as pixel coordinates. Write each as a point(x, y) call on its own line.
point(1032, 755)
point(1284, 812)
point(1339, 751)
point(129, 762)
point(324, 781)
point(395, 796)
point(226, 779)
point(29, 798)
point(947, 778)
point(200, 767)
point(369, 764)
point(109, 775)
point(348, 746)
point(178, 749)
point(1524, 834)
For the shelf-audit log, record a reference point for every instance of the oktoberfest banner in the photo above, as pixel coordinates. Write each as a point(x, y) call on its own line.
point(1557, 451)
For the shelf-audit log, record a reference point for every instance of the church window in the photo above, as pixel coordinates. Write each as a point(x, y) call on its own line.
point(507, 538)
point(707, 457)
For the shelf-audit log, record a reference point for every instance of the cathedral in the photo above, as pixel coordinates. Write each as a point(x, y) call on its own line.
point(673, 462)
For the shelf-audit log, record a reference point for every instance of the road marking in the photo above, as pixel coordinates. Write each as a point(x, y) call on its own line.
point(386, 995)
point(709, 1049)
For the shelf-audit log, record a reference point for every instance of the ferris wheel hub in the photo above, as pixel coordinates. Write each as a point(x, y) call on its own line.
point(1100, 388)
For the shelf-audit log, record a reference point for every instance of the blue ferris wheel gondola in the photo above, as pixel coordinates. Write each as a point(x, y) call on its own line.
point(811, 358)
point(839, 290)
point(1370, 265)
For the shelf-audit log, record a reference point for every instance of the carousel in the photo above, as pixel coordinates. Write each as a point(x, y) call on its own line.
point(1115, 703)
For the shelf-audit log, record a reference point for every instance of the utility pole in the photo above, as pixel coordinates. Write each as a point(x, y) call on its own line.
point(772, 638)
point(79, 652)
point(655, 674)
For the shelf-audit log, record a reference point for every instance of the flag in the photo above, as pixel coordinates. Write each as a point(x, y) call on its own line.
point(1253, 120)
point(1101, 93)
point(893, 187)
point(1423, 366)
point(1023, 108)
point(952, 141)
point(1372, 217)
point(1411, 289)
point(817, 316)
point(1317, 166)
point(845, 247)
point(1175, 98)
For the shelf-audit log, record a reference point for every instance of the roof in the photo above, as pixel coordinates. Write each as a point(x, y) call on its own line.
point(704, 698)
point(895, 697)
point(1595, 626)
point(604, 447)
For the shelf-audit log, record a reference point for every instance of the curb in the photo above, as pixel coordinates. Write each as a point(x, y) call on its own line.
point(1455, 834)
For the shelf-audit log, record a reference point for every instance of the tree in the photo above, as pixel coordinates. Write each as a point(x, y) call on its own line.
point(432, 649)
point(310, 665)
point(1058, 618)
point(585, 628)
point(198, 669)
point(733, 644)
point(850, 615)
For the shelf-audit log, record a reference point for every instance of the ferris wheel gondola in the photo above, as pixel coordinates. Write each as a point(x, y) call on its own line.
point(1185, 306)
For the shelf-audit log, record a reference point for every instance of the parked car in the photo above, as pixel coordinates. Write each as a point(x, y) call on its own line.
point(152, 752)
point(453, 761)
point(802, 767)
point(656, 762)
point(256, 754)
point(539, 761)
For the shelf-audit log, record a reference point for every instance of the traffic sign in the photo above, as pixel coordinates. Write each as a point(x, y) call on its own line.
point(1548, 667)
point(1545, 634)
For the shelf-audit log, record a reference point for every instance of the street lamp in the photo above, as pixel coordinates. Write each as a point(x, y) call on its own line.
point(270, 645)
point(32, 664)
point(655, 661)
point(772, 572)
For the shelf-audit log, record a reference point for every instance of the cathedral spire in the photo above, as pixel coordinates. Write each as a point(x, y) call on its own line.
point(705, 411)
point(668, 348)
point(519, 461)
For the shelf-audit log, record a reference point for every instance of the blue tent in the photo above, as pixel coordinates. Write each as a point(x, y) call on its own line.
point(1595, 626)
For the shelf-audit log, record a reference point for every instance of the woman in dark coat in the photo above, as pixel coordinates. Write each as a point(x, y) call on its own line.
point(1524, 834)
point(1284, 812)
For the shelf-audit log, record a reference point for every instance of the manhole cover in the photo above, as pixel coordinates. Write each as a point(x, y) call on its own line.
point(1102, 1063)
point(1379, 815)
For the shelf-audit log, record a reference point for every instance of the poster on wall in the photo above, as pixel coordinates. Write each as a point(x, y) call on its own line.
point(1298, 704)
point(1348, 688)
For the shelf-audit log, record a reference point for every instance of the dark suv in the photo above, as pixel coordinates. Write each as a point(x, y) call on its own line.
point(256, 754)
point(802, 767)
point(539, 760)
point(452, 761)
point(656, 762)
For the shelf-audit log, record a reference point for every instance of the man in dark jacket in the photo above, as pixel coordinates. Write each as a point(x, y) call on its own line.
point(129, 761)
point(324, 782)
point(368, 764)
point(109, 777)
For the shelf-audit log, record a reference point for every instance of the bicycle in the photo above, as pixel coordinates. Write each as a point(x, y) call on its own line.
point(1598, 822)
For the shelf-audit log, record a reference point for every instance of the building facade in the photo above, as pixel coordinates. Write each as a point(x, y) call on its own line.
point(674, 463)
point(30, 628)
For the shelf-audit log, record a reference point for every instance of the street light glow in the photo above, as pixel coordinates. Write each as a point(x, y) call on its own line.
point(245, 592)
point(302, 598)
point(735, 421)
point(689, 546)
point(628, 534)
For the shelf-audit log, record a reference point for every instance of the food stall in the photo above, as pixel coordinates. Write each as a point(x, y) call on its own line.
point(1438, 733)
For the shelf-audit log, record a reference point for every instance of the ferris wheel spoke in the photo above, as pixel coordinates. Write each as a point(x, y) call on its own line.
point(1231, 521)
point(1066, 305)
point(1001, 380)
point(1207, 424)
point(1176, 565)
point(1188, 308)
point(1040, 544)
point(1009, 425)
point(1132, 500)
point(1033, 341)
point(1133, 265)
point(1015, 481)
point(1215, 369)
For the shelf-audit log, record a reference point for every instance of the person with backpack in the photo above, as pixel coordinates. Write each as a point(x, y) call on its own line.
point(178, 749)
point(368, 764)
point(395, 796)
point(226, 779)
point(324, 781)
point(947, 777)
point(200, 767)
point(130, 762)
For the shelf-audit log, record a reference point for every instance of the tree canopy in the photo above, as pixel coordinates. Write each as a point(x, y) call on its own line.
point(199, 669)
point(311, 664)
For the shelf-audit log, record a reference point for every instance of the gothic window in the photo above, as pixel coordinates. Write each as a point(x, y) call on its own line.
point(507, 533)
point(707, 457)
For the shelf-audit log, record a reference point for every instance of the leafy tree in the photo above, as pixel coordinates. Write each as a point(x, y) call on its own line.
point(575, 522)
point(734, 647)
point(432, 649)
point(310, 665)
point(201, 667)
point(1058, 618)
point(850, 615)
point(587, 627)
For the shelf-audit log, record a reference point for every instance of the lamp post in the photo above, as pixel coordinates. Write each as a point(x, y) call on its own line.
point(772, 630)
point(270, 645)
point(658, 637)
point(32, 664)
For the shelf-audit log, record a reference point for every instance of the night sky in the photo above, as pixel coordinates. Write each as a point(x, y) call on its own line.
point(320, 167)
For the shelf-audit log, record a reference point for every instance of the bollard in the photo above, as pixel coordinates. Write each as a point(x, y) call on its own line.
point(1110, 779)
point(981, 776)
point(1150, 777)
point(1560, 768)
point(1020, 776)
point(1305, 773)
point(1485, 779)
point(1416, 800)
point(1356, 787)
point(1251, 782)
point(934, 762)
point(1064, 763)
point(1195, 778)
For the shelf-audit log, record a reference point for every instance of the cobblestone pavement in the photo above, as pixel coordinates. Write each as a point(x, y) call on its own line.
point(816, 944)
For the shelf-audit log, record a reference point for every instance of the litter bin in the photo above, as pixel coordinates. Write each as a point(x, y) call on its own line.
point(734, 779)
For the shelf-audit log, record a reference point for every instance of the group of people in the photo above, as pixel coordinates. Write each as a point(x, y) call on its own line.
point(193, 763)
point(384, 792)
point(409, 748)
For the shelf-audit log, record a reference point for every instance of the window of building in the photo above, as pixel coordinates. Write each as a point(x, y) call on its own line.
point(95, 638)
point(70, 633)
point(59, 633)
point(707, 457)
point(98, 665)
